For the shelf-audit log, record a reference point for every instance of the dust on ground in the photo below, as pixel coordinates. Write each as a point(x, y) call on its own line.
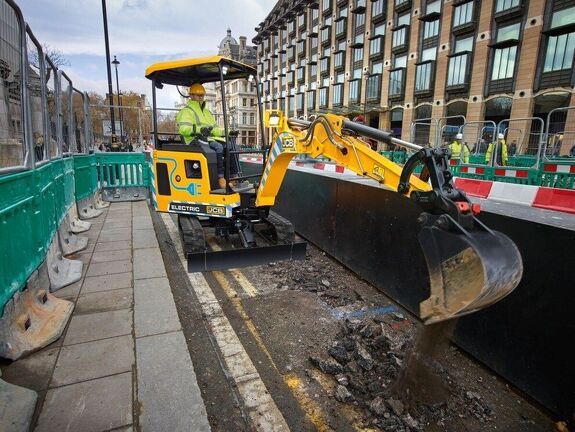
point(443, 390)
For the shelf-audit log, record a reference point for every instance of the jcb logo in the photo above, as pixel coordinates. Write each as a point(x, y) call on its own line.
point(288, 142)
point(216, 210)
point(378, 171)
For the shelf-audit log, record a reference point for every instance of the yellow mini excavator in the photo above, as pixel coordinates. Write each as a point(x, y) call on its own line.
point(470, 266)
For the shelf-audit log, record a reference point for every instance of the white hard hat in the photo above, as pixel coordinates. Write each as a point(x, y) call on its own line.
point(459, 136)
point(500, 136)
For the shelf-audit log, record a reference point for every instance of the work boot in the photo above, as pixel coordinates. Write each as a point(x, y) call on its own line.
point(222, 183)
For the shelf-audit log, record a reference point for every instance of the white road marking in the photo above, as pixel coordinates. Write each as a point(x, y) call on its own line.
point(263, 412)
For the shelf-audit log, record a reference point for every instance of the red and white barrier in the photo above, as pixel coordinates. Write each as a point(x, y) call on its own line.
point(562, 200)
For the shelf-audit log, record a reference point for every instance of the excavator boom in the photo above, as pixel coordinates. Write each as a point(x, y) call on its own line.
point(470, 266)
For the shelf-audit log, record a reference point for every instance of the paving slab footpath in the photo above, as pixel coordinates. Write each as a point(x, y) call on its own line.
point(123, 363)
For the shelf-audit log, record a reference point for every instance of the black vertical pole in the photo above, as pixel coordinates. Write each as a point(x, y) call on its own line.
point(225, 115)
point(154, 119)
point(111, 98)
point(264, 145)
point(116, 63)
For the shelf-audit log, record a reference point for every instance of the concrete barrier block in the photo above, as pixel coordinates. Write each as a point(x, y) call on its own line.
point(33, 318)
point(69, 242)
point(100, 203)
point(87, 208)
point(17, 407)
point(77, 226)
point(62, 271)
point(135, 193)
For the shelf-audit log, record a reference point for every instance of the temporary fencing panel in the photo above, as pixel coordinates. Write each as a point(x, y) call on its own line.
point(122, 170)
point(558, 175)
point(86, 176)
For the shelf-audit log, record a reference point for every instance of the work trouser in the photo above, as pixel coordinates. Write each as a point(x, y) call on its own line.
point(219, 149)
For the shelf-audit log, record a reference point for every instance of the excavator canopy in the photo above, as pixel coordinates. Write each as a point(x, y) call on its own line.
point(197, 70)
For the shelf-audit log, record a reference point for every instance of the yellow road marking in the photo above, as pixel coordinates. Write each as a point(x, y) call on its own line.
point(244, 282)
point(312, 410)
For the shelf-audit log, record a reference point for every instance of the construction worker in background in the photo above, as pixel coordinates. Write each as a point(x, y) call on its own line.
point(500, 158)
point(196, 121)
point(455, 148)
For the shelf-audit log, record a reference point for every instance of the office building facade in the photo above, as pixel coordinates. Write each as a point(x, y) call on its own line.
point(401, 62)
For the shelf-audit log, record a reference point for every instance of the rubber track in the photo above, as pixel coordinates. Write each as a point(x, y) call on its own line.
point(192, 234)
point(283, 228)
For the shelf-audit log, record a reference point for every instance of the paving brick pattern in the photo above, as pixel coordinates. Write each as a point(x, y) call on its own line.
point(124, 330)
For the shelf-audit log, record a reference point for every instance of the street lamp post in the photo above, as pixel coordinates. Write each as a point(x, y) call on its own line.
point(116, 63)
point(107, 43)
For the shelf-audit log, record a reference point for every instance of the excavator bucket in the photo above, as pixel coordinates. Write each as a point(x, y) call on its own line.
point(469, 270)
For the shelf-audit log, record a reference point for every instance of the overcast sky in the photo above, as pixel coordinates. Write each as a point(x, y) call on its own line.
point(141, 32)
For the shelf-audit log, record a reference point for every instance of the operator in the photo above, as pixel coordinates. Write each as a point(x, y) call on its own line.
point(195, 120)
point(501, 156)
point(455, 148)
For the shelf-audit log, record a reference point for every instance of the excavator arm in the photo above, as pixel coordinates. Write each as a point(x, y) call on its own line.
point(470, 266)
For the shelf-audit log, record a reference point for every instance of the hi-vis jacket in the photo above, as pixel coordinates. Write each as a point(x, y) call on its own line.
point(192, 118)
point(501, 156)
point(455, 148)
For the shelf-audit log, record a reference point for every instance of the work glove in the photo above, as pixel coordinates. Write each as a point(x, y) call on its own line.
point(206, 131)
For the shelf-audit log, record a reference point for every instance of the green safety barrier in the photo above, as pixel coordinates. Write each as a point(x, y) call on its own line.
point(122, 170)
point(86, 176)
point(32, 204)
point(558, 174)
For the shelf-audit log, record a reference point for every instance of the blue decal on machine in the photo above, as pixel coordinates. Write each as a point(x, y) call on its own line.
point(194, 189)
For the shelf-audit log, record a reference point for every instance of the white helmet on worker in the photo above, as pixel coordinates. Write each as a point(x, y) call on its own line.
point(459, 136)
point(197, 89)
point(500, 136)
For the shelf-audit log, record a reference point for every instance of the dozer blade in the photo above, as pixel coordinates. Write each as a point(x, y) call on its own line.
point(469, 270)
point(245, 257)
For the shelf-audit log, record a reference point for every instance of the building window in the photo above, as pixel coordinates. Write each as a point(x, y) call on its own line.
point(430, 29)
point(324, 66)
point(560, 48)
point(323, 97)
point(373, 88)
point(338, 95)
point(459, 62)
point(397, 77)
point(354, 91)
point(339, 60)
point(378, 29)
point(404, 19)
point(463, 14)
point(399, 37)
point(359, 29)
point(326, 35)
point(252, 118)
point(504, 58)
point(502, 5)
point(376, 47)
point(425, 70)
point(433, 7)
point(311, 100)
point(377, 9)
point(245, 118)
point(340, 27)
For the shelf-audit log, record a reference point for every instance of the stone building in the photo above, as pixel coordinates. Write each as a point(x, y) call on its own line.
point(401, 62)
point(240, 94)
